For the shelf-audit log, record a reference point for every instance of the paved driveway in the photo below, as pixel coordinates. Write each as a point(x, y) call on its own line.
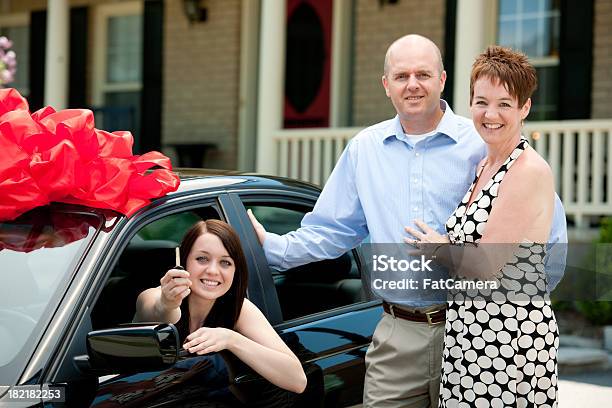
point(589, 390)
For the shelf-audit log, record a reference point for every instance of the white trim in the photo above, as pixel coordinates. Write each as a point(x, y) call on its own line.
point(544, 61)
point(271, 82)
point(247, 111)
point(341, 52)
point(14, 20)
point(123, 86)
point(475, 30)
point(57, 54)
point(101, 14)
point(532, 15)
point(490, 24)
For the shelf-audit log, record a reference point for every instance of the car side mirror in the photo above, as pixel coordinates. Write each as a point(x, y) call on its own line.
point(133, 347)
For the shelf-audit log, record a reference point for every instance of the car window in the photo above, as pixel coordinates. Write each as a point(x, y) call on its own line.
point(143, 262)
point(315, 287)
point(278, 220)
point(38, 254)
point(169, 228)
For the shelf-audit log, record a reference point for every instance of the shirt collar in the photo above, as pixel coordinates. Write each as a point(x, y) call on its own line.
point(447, 126)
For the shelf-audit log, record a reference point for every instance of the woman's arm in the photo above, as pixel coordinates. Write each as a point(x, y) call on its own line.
point(522, 212)
point(257, 344)
point(163, 303)
point(524, 206)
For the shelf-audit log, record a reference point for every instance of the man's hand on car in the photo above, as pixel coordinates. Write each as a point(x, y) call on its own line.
point(259, 229)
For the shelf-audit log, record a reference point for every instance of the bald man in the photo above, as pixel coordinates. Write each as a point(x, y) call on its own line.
point(415, 166)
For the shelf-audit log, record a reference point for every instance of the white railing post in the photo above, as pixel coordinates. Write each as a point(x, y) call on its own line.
point(283, 154)
point(306, 160)
point(316, 161)
point(293, 163)
point(583, 174)
point(554, 157)
point(567, 178)
point(597, 167)
point(328, 162)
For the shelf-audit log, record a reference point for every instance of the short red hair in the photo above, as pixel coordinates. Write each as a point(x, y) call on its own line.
point(508, 67)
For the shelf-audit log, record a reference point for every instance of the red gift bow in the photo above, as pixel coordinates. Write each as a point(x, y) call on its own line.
point(60, 156)
point(47, 228)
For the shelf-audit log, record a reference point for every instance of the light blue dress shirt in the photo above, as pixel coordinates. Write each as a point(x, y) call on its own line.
point(382, 182)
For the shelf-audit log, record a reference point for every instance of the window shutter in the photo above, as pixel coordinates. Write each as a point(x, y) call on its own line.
point(38, 35)
point(78, 58)
point(576, 59)
point(152, 66)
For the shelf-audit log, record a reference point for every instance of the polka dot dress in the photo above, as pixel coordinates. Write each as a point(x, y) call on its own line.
point(502, 351)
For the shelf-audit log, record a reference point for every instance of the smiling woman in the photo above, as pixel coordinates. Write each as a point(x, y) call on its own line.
point(207, 303)
point(216, 278)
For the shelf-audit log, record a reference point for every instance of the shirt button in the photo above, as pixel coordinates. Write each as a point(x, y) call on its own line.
point(415, 181)
point(417, 154)
point(416, 208)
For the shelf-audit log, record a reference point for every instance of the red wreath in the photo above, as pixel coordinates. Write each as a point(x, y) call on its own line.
point(60, 156)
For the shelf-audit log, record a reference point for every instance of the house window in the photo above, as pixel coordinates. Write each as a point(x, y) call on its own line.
point(532, 26)
point(16, 29)
point(118, 67)
point(124, 49)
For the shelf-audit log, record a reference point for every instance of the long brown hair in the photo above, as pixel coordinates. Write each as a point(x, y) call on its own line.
point(226, 309)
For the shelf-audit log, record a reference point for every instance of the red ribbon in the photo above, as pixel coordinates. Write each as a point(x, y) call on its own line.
point(60, 156)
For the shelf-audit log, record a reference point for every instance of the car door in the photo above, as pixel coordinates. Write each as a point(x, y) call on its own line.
point(134, 259)
point(127, 263)
point(330, 344)
point(324, 307)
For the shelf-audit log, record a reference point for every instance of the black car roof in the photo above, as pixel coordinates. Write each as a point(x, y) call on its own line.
point(200, 179)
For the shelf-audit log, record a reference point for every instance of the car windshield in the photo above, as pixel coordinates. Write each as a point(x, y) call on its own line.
point(38, 252)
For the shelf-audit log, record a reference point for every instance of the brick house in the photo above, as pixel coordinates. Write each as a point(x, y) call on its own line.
point(278, 86)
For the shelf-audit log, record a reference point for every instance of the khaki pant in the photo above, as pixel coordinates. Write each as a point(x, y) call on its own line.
point(403, 364)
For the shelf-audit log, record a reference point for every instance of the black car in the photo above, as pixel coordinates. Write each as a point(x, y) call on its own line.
point(71, 274)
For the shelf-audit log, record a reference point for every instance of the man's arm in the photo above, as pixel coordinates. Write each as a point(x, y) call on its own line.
point(557, 247)
point(335, 225)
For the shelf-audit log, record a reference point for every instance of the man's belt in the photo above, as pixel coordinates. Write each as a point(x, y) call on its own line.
point(434, 317)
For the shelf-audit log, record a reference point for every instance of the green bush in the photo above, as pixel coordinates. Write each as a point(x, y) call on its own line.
point(600, 312)
point(605, 233)
point(562, 305)
point(596, 312)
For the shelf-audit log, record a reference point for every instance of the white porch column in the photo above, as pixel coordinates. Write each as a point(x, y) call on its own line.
point(57, 49)
point(341, 62)
point(271, 82)
point(475, 30)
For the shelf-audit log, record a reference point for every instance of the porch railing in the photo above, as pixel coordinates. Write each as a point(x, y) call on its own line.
point(579, 153)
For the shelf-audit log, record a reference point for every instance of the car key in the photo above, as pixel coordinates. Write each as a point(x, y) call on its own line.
point(177, 260)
